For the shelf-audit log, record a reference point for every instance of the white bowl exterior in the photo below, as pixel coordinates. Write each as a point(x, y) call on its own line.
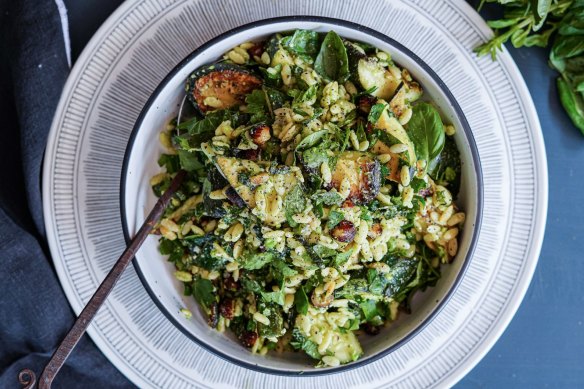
point(139, 199)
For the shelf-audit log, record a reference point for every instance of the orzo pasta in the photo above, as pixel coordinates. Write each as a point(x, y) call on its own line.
point(320, 194)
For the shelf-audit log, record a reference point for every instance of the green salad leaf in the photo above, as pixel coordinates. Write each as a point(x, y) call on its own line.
point(301, 301)
point(254, 261)
point(332, 61)
point(426, 131)
point(334, 218)
point(294, 203)
point(203, 292)
point(302, 42)
point(299, 342)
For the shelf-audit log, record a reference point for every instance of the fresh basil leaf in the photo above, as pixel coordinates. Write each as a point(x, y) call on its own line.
point(572, 103)
point(250, 285)
point(502, 23)
point(308, 95)
point(540, 10)
point(568, 46)
point(201, 130)
point(274, 315)
point(303, 42)
point(311, 140)
point(376, 281)
point(332, 62)
point(276, 99)
point(426, 131)
point(311, 349)
point(447, 167)
point(301, 301)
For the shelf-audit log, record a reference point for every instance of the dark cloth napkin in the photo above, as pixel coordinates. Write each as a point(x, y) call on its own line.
point(34, 313)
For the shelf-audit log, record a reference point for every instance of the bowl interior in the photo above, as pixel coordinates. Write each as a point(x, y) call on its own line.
point(138, 198)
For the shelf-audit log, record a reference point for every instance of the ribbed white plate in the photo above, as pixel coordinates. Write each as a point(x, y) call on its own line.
point(130, 55)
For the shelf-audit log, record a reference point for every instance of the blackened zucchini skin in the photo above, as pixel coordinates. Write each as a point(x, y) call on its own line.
point(363, 172)
point(354, 53)
point(221, 85)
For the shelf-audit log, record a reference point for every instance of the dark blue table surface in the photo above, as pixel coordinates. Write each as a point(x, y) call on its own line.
point(544, 344)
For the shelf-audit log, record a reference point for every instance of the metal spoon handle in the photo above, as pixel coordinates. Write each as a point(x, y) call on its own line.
point(27, 377)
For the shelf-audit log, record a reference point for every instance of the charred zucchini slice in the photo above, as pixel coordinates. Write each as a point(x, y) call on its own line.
point(273, 44)
point(373, 75)
point(354, 53)
point(220, 86)
point(234, 169)
point(363, 172)
point(391, 125)
point(407, 93)
point(216, 181)
point(261, 186)
point(393, 165)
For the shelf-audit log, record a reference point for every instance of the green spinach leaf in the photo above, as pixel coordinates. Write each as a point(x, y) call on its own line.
point(369, 308)
point(281, 270)
point(343, 257)
point(274, 297)
point(203, 292)
point(328, 198)
point(254, 261)
point(257, 105)
point(299, 342)
point(302, 42)
point(294, 203)
point(189, 160)
point(334, 218)
point(170, 162)
point(301, 301)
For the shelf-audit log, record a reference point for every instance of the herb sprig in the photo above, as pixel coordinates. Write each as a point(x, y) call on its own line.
point(535, 23)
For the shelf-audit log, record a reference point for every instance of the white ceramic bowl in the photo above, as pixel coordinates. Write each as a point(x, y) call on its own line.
point(137, 198)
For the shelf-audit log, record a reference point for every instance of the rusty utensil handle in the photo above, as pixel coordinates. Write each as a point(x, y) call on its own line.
point(26, 377)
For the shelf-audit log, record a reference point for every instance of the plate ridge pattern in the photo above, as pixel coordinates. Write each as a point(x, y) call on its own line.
point(115, 78)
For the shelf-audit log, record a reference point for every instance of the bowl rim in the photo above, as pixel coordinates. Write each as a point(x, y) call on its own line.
point(473, 151)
